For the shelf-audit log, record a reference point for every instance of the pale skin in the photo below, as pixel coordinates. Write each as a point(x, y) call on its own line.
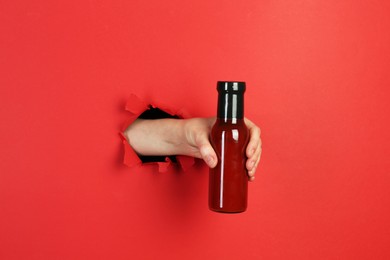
point(187, 137)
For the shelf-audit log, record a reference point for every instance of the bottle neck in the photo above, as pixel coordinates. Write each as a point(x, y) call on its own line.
point(230, 106)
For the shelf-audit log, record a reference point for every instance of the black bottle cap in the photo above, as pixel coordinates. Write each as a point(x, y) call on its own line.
point(230, 99)
point(231, 86)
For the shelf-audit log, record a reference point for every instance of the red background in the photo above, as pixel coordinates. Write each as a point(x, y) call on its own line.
point(318, 85)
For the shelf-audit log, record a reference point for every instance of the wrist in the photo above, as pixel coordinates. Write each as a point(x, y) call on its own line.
point(175, 135)
point(191, 128)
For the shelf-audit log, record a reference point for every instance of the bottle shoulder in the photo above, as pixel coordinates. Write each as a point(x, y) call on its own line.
point(236, 134)
point(230, 129)
point(239, 124)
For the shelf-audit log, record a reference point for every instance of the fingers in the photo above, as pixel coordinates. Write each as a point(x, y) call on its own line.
point(206, 150)
point(253, 151)
point(253, 162)
point(200, 140)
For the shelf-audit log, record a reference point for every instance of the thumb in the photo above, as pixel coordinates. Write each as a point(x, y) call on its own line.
point(206, 150)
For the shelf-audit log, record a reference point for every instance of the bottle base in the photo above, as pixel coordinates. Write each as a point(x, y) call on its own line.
point(218, 210)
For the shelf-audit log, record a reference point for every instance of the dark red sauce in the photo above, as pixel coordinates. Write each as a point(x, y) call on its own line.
point(228, 182)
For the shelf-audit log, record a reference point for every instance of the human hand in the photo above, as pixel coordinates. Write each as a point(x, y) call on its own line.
point(197, 131)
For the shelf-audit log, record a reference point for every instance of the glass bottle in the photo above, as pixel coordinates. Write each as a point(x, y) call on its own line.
point(228, 181)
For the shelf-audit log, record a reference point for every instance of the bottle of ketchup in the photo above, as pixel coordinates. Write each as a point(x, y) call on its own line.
point(228, 183)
